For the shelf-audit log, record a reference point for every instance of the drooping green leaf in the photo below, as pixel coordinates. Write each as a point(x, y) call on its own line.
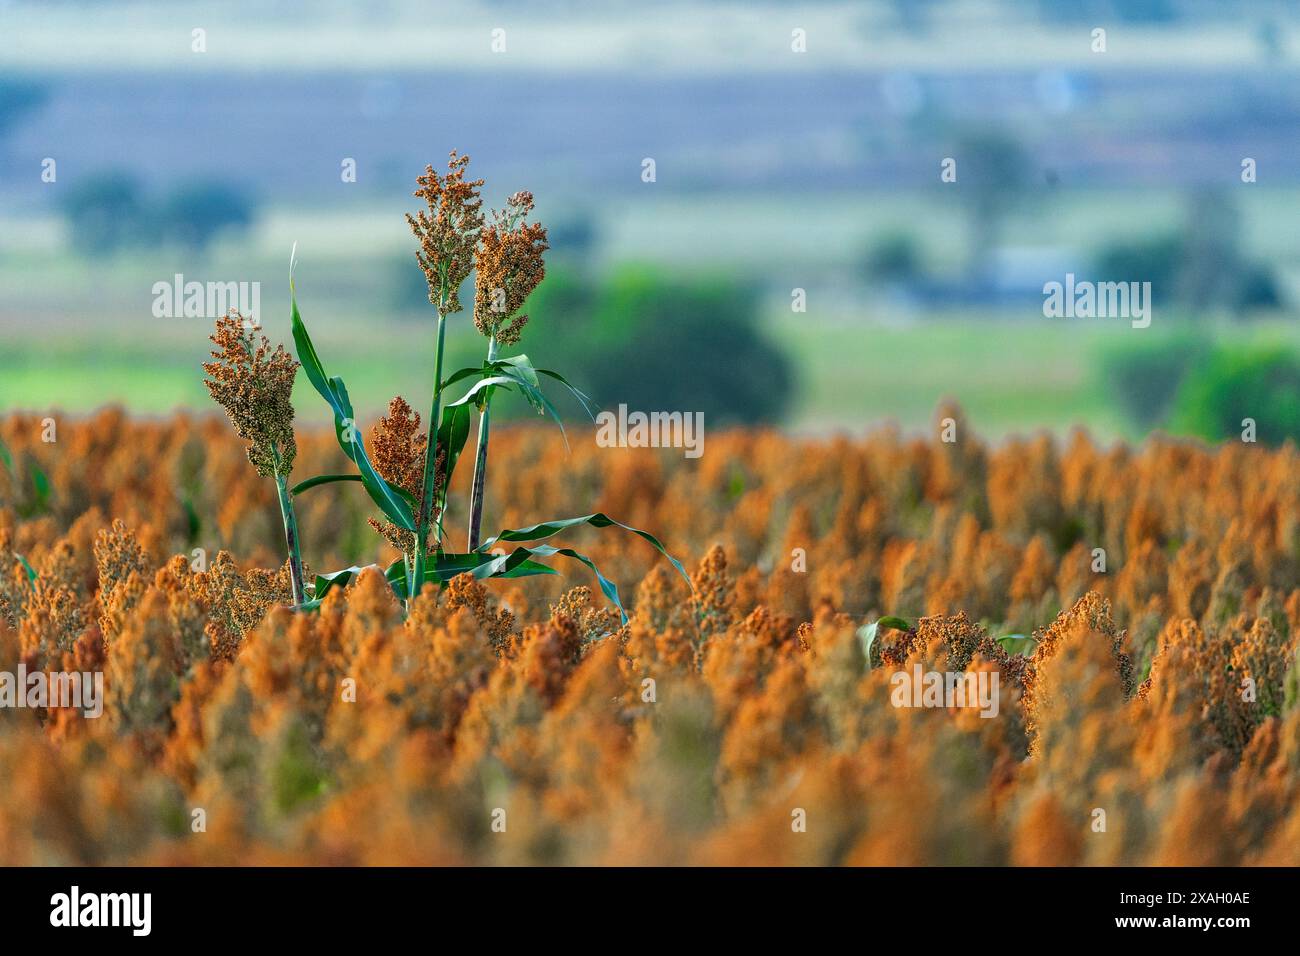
point(583, 399)
point(453, 433)
point(442, 567)
point(394, 574)
point(470, 371)
point(193, 523)
point(535, 397)
point(522, 366)
point(1015, 644)
point(516, 371)
point(504, 565)
point(547, 529)
point(6, 458)
point(311, 363)
point(448, 566)
point(896, 623)
point(440, 570)
point(388, 498)
point(321, 480)
point(488, 381)
point(519, 563)
point(607, 586)
point(868, 632)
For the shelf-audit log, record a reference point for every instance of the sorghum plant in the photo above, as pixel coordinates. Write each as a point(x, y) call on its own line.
point(254, 384)
point(509, 268)
point(448, 232)
point(508, 255)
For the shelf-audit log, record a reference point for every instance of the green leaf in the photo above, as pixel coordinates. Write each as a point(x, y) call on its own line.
point(868, 632)
point(443, 567)
point(463, 373)
point(1015, 644)
point(519, 563)
point(518, 371)
point(394, 574)
point(547, 529)
point(31, 572)
point(488, 381)
point(606, 585)
point(583, 399)
point(523, 366)
point(332, 389)
point(193, 522)
point(6, 458)
point(447, 566)
point(311, 363)
point(41, 485)
point(533, 393)
point(321, 480)
point(349, 438)
point(453, 433)
point(327, 582)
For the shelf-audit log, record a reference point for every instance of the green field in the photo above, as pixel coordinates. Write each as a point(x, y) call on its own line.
point(1010, 377)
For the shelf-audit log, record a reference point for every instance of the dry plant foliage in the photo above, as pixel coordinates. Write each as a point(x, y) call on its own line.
point(357, 735)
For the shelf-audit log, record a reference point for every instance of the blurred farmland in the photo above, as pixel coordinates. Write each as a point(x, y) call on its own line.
point(776, 171)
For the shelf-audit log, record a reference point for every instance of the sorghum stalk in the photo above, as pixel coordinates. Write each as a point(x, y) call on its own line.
point(253, 382)
point(430, 471)
point(291, 539)
point(480, 458)
point(448, 232)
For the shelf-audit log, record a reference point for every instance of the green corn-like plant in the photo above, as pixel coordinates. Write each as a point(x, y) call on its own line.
point(508, 256)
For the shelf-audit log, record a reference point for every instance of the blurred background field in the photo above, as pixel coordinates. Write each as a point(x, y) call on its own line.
point(776, 171)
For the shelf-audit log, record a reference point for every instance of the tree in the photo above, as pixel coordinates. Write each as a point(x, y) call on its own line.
point(197, 213)
point(992, 175)
point(105, 212)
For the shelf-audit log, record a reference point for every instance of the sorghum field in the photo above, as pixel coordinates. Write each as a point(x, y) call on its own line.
point(1147, 713)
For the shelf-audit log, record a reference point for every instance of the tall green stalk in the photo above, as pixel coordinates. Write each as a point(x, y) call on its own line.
point(480, 459)
point(291, 539)
point(422, 522)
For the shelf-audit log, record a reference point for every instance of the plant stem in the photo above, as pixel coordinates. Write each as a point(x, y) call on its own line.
point(480, 459)
point(291, 539)
point(422, 522)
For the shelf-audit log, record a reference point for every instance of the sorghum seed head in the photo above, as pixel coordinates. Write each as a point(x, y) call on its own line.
point(254, 384)
point(448, 231)
point(510, 267)
point(398, 447)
